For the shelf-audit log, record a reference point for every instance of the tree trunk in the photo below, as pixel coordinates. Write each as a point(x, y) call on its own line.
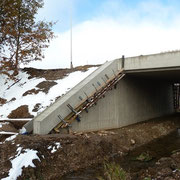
point(16, 65)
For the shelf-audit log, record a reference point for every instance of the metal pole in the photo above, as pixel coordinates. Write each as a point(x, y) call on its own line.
point(71, 64)
point(123, 59)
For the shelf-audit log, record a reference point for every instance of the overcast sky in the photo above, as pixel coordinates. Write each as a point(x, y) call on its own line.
point(107, 29)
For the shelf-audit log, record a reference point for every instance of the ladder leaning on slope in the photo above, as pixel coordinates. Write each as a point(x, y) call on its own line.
point(88, 103)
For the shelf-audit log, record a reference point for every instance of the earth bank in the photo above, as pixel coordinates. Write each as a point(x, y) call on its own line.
point(82, 151)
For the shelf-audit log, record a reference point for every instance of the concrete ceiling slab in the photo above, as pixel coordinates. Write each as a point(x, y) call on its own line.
point(169, 74)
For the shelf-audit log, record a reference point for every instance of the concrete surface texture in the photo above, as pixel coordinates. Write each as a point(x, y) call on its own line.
point(162, 60)
point(48, 119)
point(135, 99)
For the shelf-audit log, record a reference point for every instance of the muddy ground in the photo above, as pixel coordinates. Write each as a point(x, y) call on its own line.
point(83, 155)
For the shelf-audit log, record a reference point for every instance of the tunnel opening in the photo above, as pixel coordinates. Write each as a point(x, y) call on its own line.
point(164, 90)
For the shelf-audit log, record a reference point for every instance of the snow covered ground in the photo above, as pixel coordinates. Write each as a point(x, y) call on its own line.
point(23, 158)
point(9, 90)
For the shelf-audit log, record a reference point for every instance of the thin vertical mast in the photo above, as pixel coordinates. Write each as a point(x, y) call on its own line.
point(71, 64)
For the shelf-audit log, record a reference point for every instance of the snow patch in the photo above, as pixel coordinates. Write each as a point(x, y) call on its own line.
point(11, 137)
point(54, 148)
point(10, 133)
point(21, 160)
point(16, 119)
point(3, 123)
point(22, 131)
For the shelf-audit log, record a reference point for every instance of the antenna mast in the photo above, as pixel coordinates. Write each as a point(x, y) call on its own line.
point(71, 64)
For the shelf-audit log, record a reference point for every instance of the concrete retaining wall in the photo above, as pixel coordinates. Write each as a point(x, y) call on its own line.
point(133, 101)
point(162, 60)
point(48, 119)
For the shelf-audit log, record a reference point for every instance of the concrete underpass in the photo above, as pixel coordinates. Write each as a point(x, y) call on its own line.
point(145, 92)
point(135, 99)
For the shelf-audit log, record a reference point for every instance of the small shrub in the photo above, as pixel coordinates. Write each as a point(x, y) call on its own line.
point(147, 178)
point(145, 156)
point(113, 171)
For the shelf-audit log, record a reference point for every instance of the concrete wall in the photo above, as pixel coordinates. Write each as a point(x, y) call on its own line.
point(48, 119)
point(162, 60)
point(133, 100)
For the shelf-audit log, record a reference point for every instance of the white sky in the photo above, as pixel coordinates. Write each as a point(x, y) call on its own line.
point(151, 27)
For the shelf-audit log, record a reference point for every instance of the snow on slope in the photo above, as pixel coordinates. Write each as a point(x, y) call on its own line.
point(22, 159)
point(9, 90)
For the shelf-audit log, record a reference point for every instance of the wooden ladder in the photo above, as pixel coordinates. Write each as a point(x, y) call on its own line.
point(88, 103)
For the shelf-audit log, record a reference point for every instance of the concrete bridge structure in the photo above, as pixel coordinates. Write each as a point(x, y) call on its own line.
point(119, 93)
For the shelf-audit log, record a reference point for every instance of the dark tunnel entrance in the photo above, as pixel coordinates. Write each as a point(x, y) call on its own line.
point(171, 75)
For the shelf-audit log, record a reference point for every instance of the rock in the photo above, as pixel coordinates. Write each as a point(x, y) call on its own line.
point(133, 141)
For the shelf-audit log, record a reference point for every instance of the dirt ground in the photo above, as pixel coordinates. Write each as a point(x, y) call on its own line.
point(55, 74)
point(83, 151)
